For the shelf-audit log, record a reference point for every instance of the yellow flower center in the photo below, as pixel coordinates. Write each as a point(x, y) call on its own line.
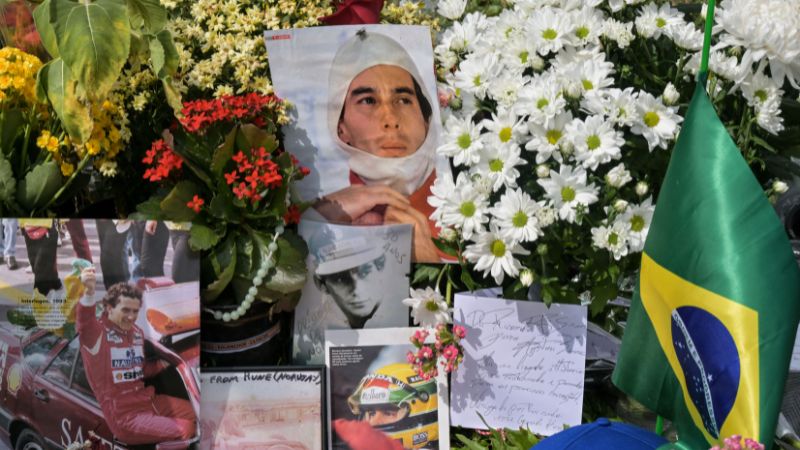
point(593, 142)
point(587, 85)
point(553, 136)
point(567, 194)
point(582, 32)
point(660, 22)
point(520, 219)
point(496, 165)
point(549, 34)
point(498, 248)
point(464, 141)
point(637, 223)
point(542, 103)
point(431, 305)
point(651, 119)
point(505, 134)
point(468, 209)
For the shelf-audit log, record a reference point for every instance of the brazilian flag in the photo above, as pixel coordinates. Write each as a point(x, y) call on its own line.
point(714, 315)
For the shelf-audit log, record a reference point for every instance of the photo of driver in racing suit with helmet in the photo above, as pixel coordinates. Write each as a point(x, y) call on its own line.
point(112, 348)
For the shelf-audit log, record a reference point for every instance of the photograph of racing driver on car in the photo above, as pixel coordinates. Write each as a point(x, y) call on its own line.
point(112, 347)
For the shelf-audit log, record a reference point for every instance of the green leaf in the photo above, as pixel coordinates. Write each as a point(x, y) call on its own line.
point(251, 136)
point(41, 16)
point(156, 53)
point(222, 206)
point(174, 204)
point(149, 210)
point(12, 124)
point(8, 184)
point(223, 255)
point(39, 186)
point(94, 40)
point(202, 237)
point(150, 12)
point(171, 56)
point(223, 153)
point(174, 99)
point(68, 99)
point(290, 271)
point(471, 445)
point(425, 273)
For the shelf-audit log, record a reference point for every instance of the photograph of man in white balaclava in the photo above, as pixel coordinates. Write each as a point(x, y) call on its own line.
point(369, 129)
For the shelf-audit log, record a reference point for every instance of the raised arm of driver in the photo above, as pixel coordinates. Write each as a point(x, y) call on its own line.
point(89, 280)
point(86, 322)
point(352, 202)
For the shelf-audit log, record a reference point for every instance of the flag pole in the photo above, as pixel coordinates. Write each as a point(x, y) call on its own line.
point(702, 75)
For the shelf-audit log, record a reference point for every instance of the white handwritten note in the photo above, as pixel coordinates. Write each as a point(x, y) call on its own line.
point(524, 364)
point(794, 365)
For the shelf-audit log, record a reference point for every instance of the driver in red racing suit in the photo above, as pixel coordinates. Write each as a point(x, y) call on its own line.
point(112, 348)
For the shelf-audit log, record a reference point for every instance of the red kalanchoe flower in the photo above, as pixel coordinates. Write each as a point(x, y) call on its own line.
point(231, 178)
point(198, 115)
point(292, 215)
point(163, 161)
point(196, 203)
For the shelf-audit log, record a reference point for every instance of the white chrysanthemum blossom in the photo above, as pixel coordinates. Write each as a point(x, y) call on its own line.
point(641, 188)
point(462, 141)
point(687, 37)
point(588, 22)
point(464, 35)
point(546, 215)
point(428, 307)
point(619, 32)
point(725, 66)
point(620, 205)
point(618, 176)
point(550, 29)
point(596, 141)
point(498, 164)
point(542, 171)
point(760, 88)
point(594, 74)
point(451, 9)
point(505, 88)
point(767, 30)
point(526, 277)
point(768, 115)
point(475, 73)
point(618, 5)
point(638, 218)
point(446, 57)
point(657, 123)
point(515, 216)
point(458, 205)
point(541, 99)
point(617, 105)
point(506, 126)
point(670, 96)
point(493, 254)
point(568, 191)
point(612, 238)
point(654, 21)
point(779, 187)
point(546, 139)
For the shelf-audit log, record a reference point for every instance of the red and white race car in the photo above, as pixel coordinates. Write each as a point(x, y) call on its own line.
point(46, 401)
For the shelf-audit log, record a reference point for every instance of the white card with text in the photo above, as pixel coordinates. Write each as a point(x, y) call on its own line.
point(524, 364)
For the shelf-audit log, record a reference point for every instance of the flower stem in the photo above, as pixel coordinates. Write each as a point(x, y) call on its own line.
point(72, 177)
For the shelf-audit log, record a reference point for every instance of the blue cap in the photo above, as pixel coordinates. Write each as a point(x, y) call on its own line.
point(600, 435)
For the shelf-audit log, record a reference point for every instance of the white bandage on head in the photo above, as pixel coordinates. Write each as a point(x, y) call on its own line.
point(362, 51)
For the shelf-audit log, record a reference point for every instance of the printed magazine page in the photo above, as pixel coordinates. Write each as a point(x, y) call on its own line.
point(99, 332)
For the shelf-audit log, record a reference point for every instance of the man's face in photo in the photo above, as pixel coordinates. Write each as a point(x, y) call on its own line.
point(125, 313)
point(351, 290)
point(382, 114)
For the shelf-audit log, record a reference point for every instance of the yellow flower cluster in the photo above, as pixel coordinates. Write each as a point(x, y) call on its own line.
point(407, 12)
point(47, 141)
point(17, 77)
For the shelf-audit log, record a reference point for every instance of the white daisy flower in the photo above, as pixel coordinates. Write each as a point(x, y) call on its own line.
point(760, 88)
point(618, 176)
point(657, 123)
point(458, 205)
point(638, 218)
point(545, 139)
point(428, 307)
point(494, 255)
point(594, 74)
point(474, 73)
point(515, 216)
point(617, 105)
point(499, 163)
point(550, 29)
point(670, 96)
point(541, 100)
point(595, 140)
point(613, 238)
point(687, 36)
point(588, 23)
point(568, 191)
point(546, 215)
point(653, 21)
point(451, 9)
point(462, 141)
point(506, 126)
point(505, 88)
